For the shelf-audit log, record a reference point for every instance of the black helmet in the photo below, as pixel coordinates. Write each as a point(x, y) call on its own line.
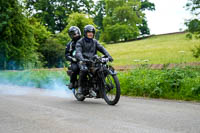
point(89, 28)
point(73, 30)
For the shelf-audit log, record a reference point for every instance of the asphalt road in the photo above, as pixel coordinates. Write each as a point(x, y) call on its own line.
point(29, 110)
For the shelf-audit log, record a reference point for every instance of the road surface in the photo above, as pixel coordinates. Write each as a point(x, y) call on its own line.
point(29, 110)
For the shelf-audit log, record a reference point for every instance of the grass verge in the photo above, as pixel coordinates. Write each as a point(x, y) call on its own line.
point(176, 83)
point(34, 78)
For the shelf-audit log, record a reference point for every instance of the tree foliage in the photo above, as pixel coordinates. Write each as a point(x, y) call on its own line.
point(75, 19)
point(194, 24)
point(35, 32)
point(17, 43)
point(54, 13)
point(122, 18)
point(41, 34)
point(99, 13)
point(193, 6)
point(53, 50)
point(145, 5)
point(80, 20)
point(53, 53)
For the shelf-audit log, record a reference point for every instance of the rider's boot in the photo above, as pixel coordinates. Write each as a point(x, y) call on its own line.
point(92, 93)
point(71, 86)
point(80, 91)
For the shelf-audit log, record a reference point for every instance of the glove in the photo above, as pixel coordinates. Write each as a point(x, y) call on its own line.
point(73, 59)
point(85, 60)
point(110, 59)
point(83, 68)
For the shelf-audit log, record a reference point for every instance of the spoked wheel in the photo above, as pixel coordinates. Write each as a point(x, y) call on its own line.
point(112, 90)
point(78, 97)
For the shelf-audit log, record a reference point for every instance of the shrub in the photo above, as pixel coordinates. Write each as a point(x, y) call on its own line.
point(196, 51)
point(177, 83)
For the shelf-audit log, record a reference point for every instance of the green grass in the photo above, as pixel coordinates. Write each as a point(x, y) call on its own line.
point(158, 50)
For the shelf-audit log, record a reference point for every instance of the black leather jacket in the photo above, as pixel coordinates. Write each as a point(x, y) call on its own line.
point(87, 48)
point(70, 50)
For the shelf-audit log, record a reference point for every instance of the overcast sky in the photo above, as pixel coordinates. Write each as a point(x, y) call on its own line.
point(168, 17)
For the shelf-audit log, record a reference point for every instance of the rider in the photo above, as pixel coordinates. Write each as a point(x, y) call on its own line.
point(86, 48)
point(75, 34)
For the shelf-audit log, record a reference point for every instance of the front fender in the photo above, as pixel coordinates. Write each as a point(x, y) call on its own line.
point(112, 72)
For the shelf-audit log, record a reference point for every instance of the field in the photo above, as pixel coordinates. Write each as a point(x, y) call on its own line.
point(164, 49)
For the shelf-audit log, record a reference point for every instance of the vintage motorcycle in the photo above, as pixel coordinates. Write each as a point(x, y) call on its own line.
point(101, 81)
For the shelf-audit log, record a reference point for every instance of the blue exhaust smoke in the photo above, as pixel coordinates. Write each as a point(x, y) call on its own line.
point(52, 82)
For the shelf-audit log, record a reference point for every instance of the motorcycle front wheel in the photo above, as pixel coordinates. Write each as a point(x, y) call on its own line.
point(111, 91)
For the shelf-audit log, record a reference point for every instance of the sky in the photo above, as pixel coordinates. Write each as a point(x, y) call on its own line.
point(168, 17)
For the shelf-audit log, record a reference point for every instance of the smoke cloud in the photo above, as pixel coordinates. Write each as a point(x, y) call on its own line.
point(51, 83)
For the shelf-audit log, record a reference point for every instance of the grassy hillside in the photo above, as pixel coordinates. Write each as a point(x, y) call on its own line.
point(175, 48)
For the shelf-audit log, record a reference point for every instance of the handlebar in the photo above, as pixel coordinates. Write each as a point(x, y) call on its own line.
point(96, 59)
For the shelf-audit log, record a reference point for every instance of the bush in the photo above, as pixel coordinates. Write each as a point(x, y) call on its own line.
point(177, 83)
point(194, 28)
point(119, 32)
point(196, 51)
point(53, 53)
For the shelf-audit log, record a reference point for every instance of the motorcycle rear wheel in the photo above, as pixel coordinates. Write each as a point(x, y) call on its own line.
point(78, 98)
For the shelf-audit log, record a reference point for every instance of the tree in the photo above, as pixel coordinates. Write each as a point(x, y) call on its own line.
point(80, 20)
point(144, 29)
point(17, 43)
point(194, 24)
point(53, 50)
point(193, 6)
point(54, 13)
point(119, 32)
point(122, 16)
point(50, 50)
point(99, 13)
point(145, 5)
point(42, 36)
point(75, 19)
point(53, 53)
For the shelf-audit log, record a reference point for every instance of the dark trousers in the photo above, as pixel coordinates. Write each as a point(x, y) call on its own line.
point(75, 71)
point(83, 74)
